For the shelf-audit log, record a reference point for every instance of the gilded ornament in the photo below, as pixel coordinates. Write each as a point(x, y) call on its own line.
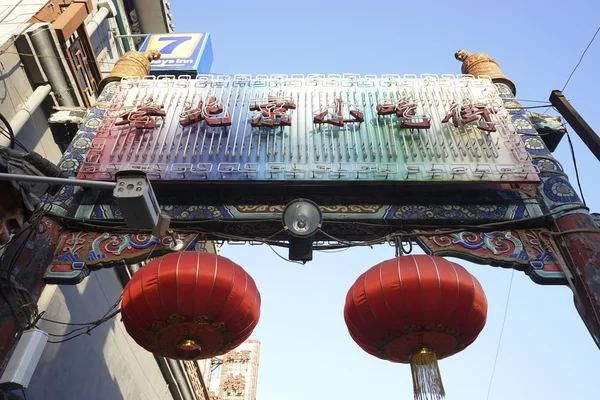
point(481, 64)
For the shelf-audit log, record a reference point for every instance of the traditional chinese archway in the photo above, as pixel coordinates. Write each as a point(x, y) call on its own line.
point(459, 148)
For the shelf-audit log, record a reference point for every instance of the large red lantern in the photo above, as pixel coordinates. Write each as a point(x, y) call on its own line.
point(416, 309)
point(190, 305)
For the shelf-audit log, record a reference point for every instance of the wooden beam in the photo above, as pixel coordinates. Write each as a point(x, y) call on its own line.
point(585, 132)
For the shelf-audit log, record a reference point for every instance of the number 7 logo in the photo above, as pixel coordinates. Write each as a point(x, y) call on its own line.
point(175, 45)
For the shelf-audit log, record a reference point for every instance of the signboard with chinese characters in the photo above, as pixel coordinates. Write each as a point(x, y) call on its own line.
point(298, 129)
point(181, 53)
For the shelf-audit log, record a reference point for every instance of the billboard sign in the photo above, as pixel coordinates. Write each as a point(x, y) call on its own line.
point(181, 53)
point(336, 128)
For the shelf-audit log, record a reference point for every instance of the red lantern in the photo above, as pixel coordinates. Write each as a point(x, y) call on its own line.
point(190, 305)
point(416, 309)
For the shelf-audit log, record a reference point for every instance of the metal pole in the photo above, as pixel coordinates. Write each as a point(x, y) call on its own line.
point(100, 16)
point(57, 181)
point(26, 111)
point(50, 57)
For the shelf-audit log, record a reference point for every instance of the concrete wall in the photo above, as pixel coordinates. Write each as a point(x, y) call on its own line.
point(107, 48)
point(15, 89)
point(106, 365)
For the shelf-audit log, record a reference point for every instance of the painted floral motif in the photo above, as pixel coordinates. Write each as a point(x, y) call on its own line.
point(530, 250)
point(555, 186)
point(80, 252)
point(349, 209)
point(82, 143)
point(522, 124)
point(451, 212)
point(559, 190)
point(495, 242)
point(547, 165)
point(70, 165)
point(72, 246)
point(93, 123)
point(534, 143)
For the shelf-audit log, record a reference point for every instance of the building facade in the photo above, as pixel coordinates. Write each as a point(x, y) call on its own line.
point(237, 378)
point(53, 56)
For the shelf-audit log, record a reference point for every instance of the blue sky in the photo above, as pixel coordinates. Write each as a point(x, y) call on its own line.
point(546, 351)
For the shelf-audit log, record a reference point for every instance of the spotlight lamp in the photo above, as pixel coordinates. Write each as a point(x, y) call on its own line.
point(301, 219)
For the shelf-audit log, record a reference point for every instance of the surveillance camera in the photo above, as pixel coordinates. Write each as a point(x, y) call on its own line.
point(135, 198)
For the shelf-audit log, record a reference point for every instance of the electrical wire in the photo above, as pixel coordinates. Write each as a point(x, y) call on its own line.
point(574, 158)
point(532, 101)
point(13, 140)
point(344, 243)
point(27, 304)
point(512, 275)
point(580, 59)
point(115, 305)
point(82, 328)
point(529, 107)
point(282, 257)
point(569, 232)
point(11, 265)
point(578, 63)
point(11, 133)
point(88, 330)
point(335, 250)
point(236, 74)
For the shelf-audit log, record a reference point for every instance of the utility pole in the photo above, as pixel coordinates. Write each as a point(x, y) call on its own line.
point(585, 132)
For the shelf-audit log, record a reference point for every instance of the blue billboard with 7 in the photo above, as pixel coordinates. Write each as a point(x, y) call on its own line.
point(181, 53)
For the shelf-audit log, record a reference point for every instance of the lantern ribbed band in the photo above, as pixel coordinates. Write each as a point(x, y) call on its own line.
point(190, 305)
point(416, 309)
point(427, 380)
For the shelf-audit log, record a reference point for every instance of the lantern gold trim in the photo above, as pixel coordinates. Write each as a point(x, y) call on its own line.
point(188, 349)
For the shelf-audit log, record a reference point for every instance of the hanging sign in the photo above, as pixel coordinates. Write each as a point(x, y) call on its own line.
point(181, 53)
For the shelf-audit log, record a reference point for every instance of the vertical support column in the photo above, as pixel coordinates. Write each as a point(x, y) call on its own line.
point(579, 234)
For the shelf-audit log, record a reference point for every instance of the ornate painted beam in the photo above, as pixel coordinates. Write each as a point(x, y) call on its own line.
point(577, 233)
point(394, 183)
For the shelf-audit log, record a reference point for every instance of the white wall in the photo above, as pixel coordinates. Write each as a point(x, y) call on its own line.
point(15, 89)
point(106, 365)
point(107, 48)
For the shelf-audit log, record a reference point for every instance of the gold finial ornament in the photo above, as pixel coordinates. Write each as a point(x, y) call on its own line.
point(131, 64)
point(479, 64)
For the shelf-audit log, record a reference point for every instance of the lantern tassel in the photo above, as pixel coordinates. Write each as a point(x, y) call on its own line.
point(427, 380)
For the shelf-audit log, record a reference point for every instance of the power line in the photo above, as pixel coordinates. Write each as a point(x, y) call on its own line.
point(13, 140)
point(87, 330)
point(581, 59)
point(528, 107)
point(574, 158)
point(578, 63)
point(512, 275)
point(532, 101)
